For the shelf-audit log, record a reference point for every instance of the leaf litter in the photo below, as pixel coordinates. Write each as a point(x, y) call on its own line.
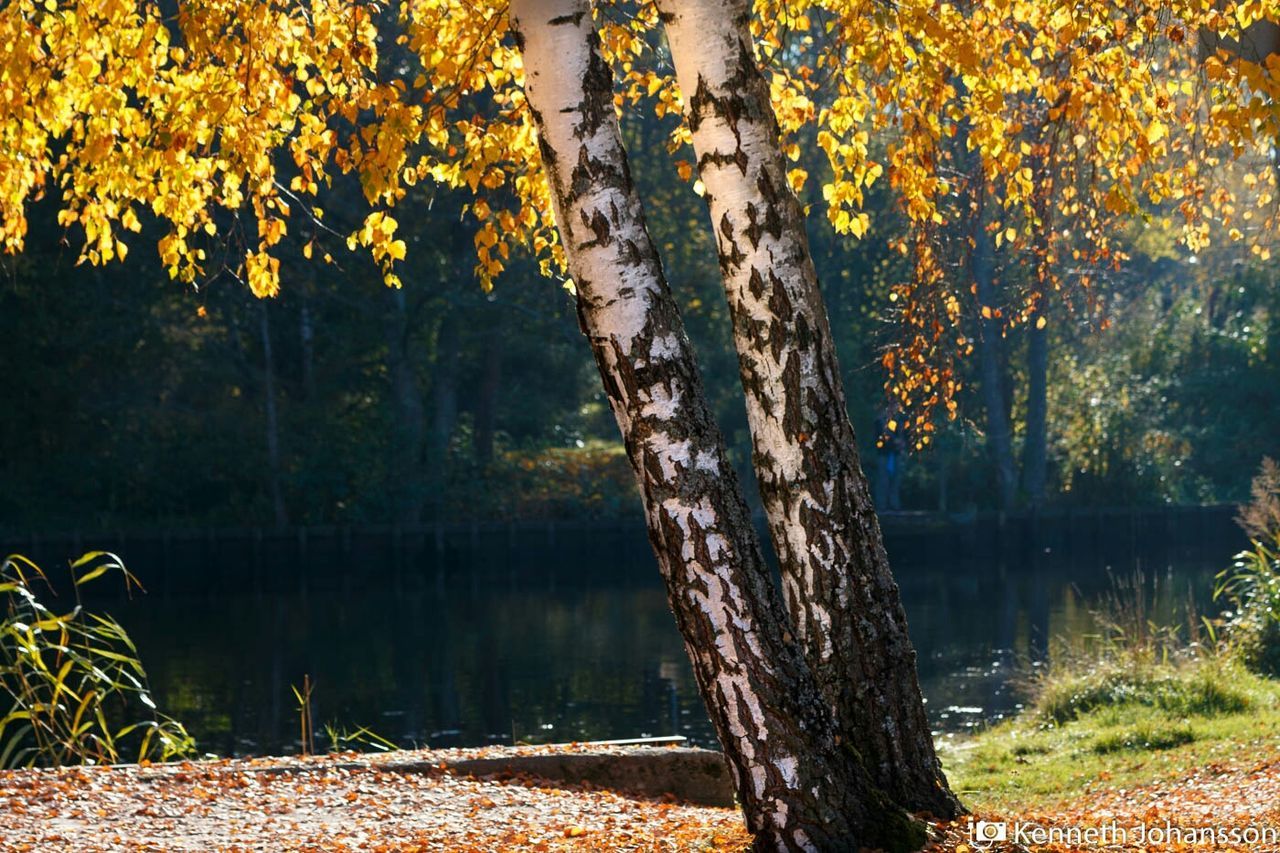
point(350, 802)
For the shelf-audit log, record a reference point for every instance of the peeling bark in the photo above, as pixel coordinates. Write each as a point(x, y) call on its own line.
point(777, 732)
point(842, 598)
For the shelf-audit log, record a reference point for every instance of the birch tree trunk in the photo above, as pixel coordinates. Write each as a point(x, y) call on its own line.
point(839, 590)
point(777, 733)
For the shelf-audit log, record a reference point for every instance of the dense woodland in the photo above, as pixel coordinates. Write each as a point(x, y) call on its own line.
point(137, 401)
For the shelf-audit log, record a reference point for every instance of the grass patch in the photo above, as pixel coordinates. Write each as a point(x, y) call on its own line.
point(1203, 689)
point(1116, 727)
point(1143, 701)
point(1143, 737)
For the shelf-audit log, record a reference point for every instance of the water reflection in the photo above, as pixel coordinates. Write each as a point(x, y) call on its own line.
point(555, 655)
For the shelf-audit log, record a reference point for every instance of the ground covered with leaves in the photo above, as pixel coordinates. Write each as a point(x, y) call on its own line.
point(1227, 805)
point(343, 802)
point(336, 804)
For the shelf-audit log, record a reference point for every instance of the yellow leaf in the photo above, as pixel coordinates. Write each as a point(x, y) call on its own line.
point(263, 272)
point(858, 225)
point(1041, 322)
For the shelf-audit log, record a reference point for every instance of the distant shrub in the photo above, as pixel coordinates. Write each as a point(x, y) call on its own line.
point(588, 482)
point(1130, 633)
point(1135, 660)
point(1204, 689)
point(1252, 584)
point(76, 691)
point(1260, 518)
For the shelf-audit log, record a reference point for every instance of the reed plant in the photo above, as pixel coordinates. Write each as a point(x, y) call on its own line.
point(72, 688)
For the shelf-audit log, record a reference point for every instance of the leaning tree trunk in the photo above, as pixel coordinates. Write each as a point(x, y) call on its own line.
point(776, 731)
point(842, 597)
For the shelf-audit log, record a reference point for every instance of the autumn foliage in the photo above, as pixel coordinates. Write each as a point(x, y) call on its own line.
point(229, 124)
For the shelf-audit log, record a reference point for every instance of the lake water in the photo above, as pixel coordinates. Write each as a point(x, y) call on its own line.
point(566, 648)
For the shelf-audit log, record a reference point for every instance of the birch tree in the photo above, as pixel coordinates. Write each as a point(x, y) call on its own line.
point(799, 790)
point(222, 125)
point(840, 593)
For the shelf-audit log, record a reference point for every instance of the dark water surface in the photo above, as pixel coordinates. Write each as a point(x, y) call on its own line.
point(559, 649)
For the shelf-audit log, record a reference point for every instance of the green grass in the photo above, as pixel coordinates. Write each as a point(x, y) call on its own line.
point(1117, 727)
point(1204, 689)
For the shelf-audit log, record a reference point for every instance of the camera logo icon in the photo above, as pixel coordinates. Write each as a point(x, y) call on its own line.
point(984, 833)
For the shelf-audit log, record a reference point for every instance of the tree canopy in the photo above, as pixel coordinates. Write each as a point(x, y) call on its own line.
point(245, 139)
point(228, 119)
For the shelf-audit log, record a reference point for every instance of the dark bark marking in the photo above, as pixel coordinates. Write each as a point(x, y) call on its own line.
point(792, 419)
point(779, 301)
point(753, 229)
point(726, 227)
point(561, 20)
point(599, 225)
point(731, 256)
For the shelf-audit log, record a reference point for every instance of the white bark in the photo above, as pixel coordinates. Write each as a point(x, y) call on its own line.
point(776, 730)
point(841, 596)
